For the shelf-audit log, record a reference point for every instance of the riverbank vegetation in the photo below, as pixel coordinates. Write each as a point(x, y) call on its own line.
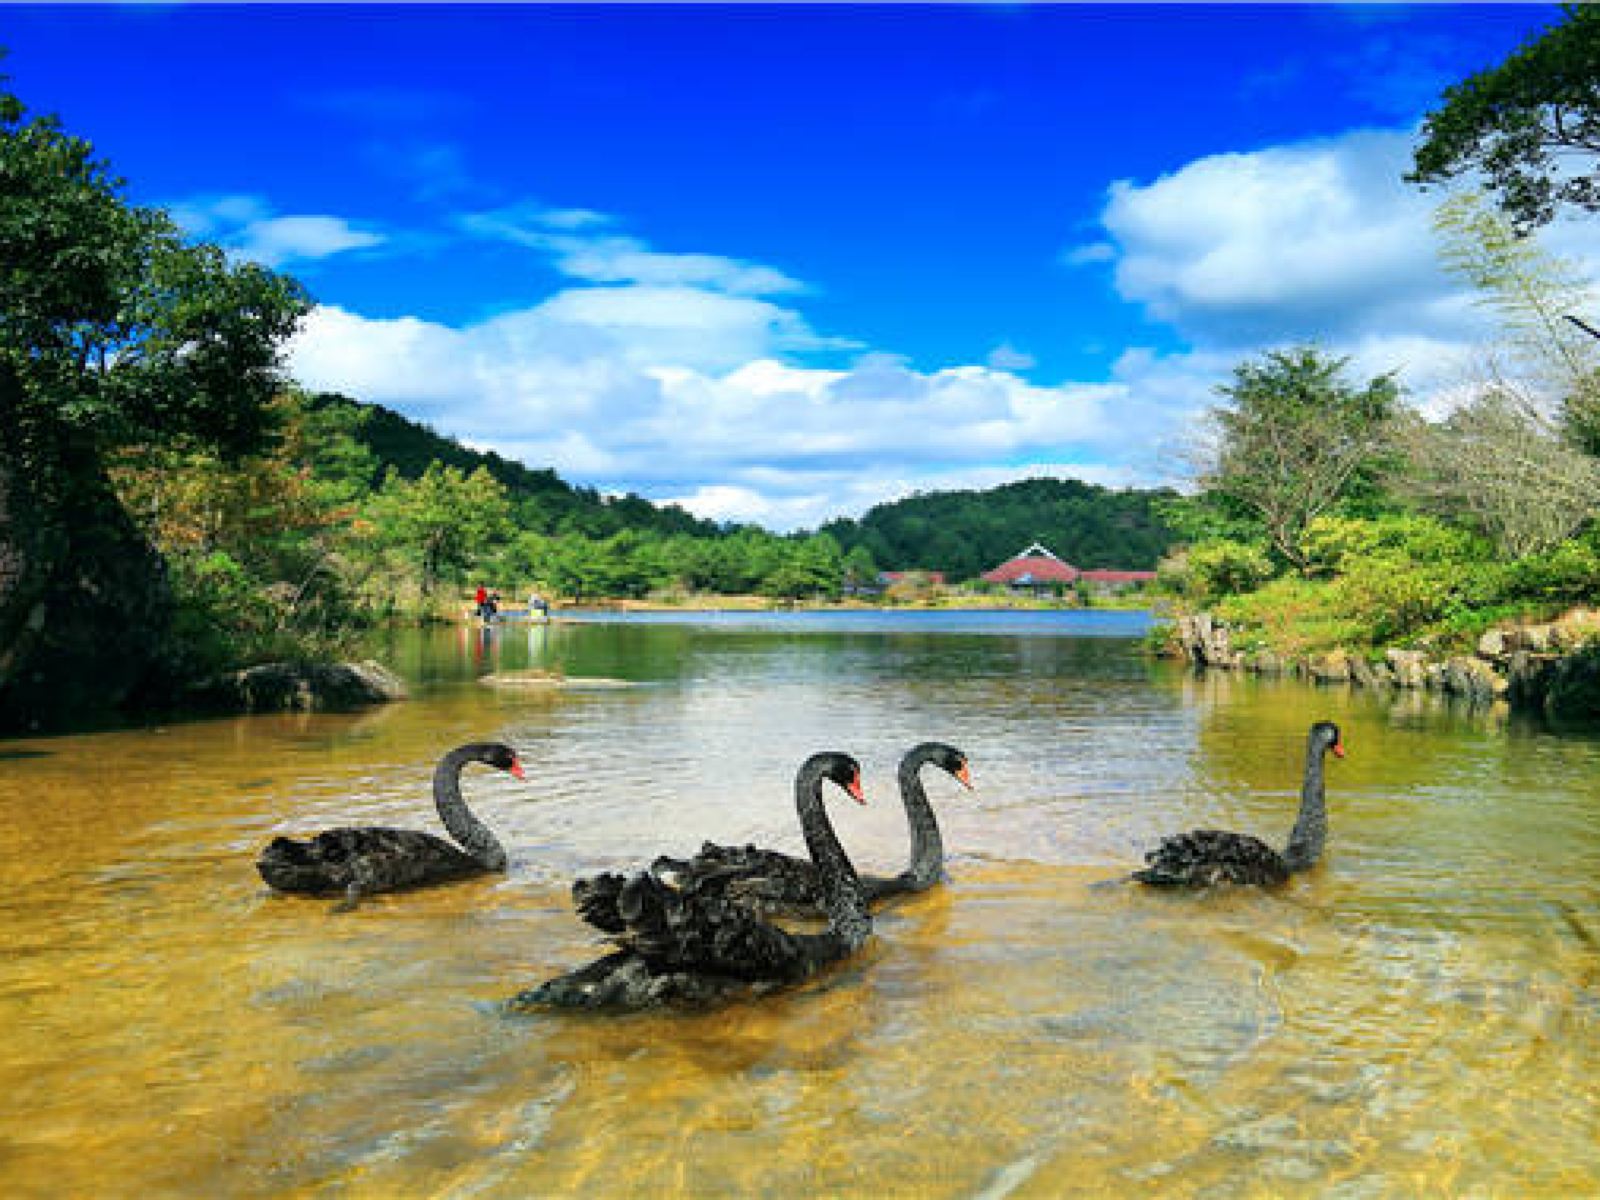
point(1329, 515)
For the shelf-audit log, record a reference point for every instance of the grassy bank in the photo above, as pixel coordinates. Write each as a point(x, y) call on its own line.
point(1369, 585)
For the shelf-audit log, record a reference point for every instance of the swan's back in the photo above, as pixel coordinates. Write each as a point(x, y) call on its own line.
point(371, 858)
point(767, 880)
point(704, 929)
point(1210, 856)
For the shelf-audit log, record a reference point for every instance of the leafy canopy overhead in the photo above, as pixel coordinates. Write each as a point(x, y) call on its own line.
point(110, 324)
point(1530, 125)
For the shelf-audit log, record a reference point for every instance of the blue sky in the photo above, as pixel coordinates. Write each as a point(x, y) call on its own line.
point(780, 263)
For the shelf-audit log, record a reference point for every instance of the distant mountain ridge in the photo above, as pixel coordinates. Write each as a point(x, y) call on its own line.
point(547, 503)
point(964, 533)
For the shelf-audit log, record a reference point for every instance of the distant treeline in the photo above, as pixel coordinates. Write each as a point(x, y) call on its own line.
point(961, 533)
point(966, 533)
point(543, 501)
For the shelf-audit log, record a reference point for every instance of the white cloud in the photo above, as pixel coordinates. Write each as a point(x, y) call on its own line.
point(1006, 357)
point(247, 228)
point(1092, 252)
point(1318, 242)
point(1312, 241)
point(278, 240)
point(684, 377)
point(578, 247)
point(587, 383)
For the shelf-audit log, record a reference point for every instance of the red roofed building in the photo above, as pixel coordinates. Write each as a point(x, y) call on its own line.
point(1116, 581)
point(1034, 567)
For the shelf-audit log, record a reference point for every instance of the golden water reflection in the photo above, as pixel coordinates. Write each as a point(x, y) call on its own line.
point(1418, 1016)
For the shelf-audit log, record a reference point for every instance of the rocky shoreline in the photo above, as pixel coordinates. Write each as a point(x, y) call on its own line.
point(297, 687)
point(1551, 668)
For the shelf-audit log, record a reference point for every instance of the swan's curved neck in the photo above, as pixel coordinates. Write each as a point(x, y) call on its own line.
point(841, 888)
point(927, 847)
point(1311, 826)
point(472, 834)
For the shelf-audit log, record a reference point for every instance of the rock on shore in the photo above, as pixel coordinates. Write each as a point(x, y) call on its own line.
point(299, 687)
point(1552, 668)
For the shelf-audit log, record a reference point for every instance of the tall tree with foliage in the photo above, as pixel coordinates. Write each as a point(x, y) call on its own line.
point(1515, 461)
point(1550, 367)
point(445, 521)
point(1531, 125)
point(1293, 440)
point(113, 331)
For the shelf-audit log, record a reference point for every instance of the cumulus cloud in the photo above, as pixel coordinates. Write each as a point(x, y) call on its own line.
point(1318, 242)
point(1311, 241)
point(686, 376)
point(733, 436)
point(247, 227)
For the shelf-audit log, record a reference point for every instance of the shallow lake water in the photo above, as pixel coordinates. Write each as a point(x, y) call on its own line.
point(1420, 1015)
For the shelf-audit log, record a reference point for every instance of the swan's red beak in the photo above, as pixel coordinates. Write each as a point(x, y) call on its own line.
point(854, 788)
point(963, 775)
point(1338, 749)
point(516, 768)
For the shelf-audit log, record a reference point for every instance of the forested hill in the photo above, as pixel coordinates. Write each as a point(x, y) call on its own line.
point(553, 504)
point(967, 533)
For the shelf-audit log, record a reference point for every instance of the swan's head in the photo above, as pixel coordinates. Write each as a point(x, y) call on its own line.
point(500, 756)
point(842, 769)
point(945, 757)
point(1325, 737)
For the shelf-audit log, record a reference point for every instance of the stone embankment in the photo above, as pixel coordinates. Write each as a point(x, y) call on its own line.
point(1552, 668)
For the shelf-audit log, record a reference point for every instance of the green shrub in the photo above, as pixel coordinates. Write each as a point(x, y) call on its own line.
point(1333, 543)
point(1218, 568)
point(1568, 574)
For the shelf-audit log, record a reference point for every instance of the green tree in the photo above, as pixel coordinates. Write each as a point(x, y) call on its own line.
point(1545, 366)
point(113, 332)
point(859, 568)
point(1293, 440)
point(443, 521)
point(1525, 124)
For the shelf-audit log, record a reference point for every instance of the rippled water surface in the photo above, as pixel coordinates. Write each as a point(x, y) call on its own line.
point(1418, 1016)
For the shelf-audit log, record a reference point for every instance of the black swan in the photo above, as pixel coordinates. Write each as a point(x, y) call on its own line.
point(359, 861)
point(1210, 856)
point(688, 941)
point(782, 883)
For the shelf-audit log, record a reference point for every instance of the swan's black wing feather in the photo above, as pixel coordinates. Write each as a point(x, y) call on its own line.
point(372, 858)
point(702, 928)
point(688, 939)
point(623, 980)
point(765, 880)
point(1211, 856)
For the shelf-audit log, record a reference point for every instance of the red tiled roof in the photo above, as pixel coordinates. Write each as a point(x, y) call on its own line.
point(1032, 568)
point(1106, 576)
